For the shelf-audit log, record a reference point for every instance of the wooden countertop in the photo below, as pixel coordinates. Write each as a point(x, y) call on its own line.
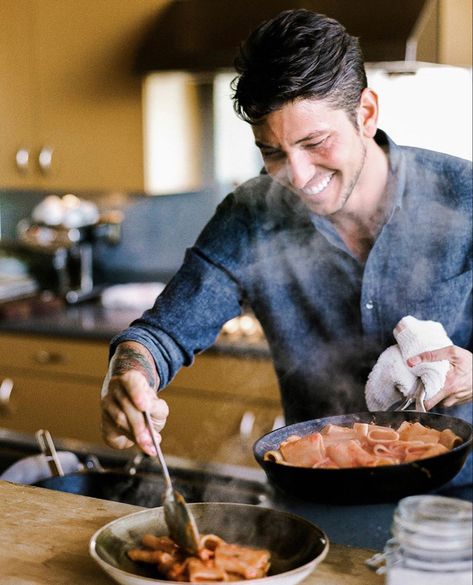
point(44, 538)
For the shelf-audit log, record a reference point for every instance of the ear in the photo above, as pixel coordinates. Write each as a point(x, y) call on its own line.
point(368, 113)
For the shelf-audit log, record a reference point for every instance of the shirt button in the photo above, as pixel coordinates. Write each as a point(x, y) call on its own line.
point(369, 305)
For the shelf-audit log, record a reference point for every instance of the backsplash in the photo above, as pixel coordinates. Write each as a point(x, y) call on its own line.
point(154, 236)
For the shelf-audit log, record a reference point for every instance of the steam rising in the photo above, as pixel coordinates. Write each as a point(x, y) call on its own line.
point(295, 260)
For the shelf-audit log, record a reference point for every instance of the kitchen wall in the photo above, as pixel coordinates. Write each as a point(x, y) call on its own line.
point(455, 32)
point(154, 236)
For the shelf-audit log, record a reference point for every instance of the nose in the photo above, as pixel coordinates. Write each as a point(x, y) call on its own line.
point(299, 169)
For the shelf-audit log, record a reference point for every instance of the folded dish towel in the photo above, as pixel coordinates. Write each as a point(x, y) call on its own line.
point(391, 379)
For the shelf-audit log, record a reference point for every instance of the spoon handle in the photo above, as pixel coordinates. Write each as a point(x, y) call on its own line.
point(167, 477)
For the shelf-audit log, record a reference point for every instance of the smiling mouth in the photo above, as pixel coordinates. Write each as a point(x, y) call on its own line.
point(319, 187)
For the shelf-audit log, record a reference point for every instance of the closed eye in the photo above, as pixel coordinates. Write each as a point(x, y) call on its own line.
point(313, 145)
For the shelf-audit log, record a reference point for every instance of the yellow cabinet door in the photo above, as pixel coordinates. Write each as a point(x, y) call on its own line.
point(89, 100)
point(16, 94)
point(209, 428)
point(68, 94)
point(68, 409)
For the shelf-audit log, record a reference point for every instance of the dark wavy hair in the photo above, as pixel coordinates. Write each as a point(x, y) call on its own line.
point(298, 54)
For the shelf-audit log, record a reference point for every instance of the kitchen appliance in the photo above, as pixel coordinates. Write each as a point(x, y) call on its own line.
point(70, 248)
point(366, 484)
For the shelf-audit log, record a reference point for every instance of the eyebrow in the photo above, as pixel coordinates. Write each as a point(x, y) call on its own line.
point(313, 135)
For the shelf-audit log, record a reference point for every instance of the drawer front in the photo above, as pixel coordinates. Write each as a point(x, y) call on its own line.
point(212, 428)
point(232, 376)
point(66, 409)
point(54, 355)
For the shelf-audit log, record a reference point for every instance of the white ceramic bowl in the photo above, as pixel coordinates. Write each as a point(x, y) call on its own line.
point(296, 545)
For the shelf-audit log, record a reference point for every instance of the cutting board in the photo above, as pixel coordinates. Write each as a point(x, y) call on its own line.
point(44, 537)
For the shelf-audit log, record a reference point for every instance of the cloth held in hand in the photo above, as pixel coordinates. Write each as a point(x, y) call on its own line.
point(391, 379)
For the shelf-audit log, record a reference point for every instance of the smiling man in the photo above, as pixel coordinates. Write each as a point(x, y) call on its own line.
point(332, 165)
point(342, 235)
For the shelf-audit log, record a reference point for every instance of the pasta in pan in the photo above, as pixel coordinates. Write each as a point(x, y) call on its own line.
point(363, 445)
point(216, 561)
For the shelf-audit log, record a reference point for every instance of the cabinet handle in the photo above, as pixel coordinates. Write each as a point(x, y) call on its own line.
point(48, 357)
point(45, 159)
point(6, 388)
point(247, 424)
point(22, 159)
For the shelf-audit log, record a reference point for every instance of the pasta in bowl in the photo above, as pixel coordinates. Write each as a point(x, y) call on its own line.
point(365, 457)
point(295, 546)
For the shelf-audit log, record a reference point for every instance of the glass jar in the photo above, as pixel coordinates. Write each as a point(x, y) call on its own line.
point(432, 542)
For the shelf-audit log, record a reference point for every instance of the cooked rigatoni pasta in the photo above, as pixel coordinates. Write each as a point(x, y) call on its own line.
point(216, 561)
point(363, 445)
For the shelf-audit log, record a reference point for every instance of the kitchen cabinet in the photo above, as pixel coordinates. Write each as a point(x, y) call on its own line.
point(53, 384)
point(218, 407)
point(70, 104)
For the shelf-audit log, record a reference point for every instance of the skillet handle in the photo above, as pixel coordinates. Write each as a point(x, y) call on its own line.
point(417, 398)
point(420, 396)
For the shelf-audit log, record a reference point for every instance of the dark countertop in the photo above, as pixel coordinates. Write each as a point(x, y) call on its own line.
point(90, 320)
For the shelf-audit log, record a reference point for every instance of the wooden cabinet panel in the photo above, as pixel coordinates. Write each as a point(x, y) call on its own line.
point(68, 85)
point(218, 407)
point(230, 375)
point(207, 427)
point(68, 409)
point(16, 93)
point(53, 356)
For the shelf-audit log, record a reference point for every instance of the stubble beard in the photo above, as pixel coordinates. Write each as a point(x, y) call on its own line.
point(351, 187)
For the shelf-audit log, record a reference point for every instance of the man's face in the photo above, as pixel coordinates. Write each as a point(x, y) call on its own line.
point(315, 151)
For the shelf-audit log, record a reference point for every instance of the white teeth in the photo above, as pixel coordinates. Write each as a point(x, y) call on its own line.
point(320, 186)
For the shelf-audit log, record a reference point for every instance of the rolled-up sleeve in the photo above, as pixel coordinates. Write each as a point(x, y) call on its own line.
point(205, 293)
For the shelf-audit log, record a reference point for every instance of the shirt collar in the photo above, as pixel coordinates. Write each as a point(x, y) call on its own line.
point(397, 169)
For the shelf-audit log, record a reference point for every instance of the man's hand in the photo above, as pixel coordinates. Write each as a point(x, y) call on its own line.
point(128, 390)
point(458, 382)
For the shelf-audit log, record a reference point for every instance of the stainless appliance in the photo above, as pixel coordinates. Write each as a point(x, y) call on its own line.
point(71, 251)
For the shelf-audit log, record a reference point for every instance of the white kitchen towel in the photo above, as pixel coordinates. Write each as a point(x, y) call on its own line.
point(391, 379)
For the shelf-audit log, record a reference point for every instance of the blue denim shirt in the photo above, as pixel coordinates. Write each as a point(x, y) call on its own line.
point(327, 317)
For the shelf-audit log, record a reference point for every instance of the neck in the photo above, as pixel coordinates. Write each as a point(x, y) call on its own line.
point(362, 218)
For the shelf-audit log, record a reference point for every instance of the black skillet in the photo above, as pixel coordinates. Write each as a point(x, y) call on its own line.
point(145, 487)
point(366, 484)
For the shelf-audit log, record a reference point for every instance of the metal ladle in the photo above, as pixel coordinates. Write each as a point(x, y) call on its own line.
point(179, 519)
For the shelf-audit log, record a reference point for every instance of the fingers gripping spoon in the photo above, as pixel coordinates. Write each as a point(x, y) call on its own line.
point(179, 519)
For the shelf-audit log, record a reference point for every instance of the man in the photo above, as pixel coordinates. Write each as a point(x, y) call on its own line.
point(343, 235)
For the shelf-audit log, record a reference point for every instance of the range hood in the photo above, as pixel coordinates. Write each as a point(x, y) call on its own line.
point(204, 35)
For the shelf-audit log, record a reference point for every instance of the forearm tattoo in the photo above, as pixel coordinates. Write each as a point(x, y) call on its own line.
point(127, 359)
